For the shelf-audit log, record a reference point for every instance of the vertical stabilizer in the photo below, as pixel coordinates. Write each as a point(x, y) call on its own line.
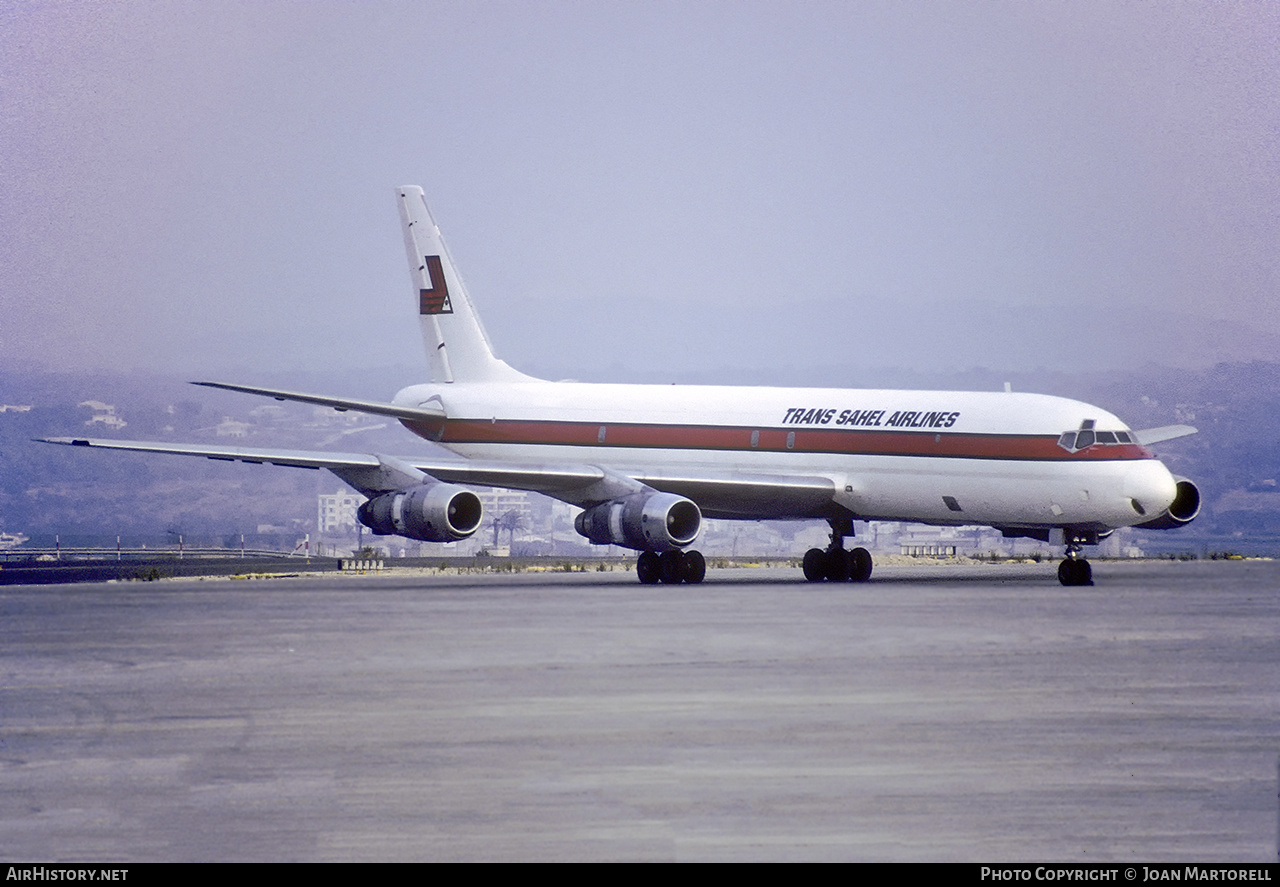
point(457, 347)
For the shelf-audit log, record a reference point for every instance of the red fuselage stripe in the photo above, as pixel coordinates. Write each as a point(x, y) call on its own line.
point(935, 444)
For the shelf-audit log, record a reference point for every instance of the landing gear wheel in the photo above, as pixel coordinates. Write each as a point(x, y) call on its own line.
point(835, 564)
point(859, 565)
point(671, 567)
point(1075, 572)
point(647, 567)
point(695, 567)
point(1086, 573)
point(815, 569)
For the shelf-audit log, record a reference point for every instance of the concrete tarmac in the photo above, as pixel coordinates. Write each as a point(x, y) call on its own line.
point(974, 713)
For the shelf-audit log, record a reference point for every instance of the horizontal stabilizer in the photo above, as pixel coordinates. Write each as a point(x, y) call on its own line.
point(1165, 432)
point(341, 404)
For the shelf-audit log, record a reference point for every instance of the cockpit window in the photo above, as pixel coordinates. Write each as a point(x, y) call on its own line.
point(1086, 436)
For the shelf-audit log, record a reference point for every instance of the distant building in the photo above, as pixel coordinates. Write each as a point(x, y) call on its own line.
point(916, 540)
point(498, 501)
point(103, 414)
point(229, 427)
point(336, 512)
point(107, 420)
point(12, 540)
point(505, 511)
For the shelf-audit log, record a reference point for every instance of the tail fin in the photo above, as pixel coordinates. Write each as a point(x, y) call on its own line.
point(457, 347)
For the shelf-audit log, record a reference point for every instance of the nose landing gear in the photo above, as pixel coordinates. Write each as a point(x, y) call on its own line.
point(1075, 570)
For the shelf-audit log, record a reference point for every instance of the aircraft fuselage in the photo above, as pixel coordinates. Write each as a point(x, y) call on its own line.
point(940, 457)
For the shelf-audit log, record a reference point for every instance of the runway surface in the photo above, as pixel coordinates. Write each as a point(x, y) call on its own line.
point(980, 713)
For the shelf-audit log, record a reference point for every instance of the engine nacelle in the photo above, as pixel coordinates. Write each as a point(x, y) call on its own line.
point(1185, 507)
point(643, 521)
point(430, 512)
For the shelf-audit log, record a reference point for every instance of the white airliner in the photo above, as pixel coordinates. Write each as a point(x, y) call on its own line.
point(648, 462)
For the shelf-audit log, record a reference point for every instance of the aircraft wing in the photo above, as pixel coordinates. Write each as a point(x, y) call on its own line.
point(718, 495)
point(340, 404)
point(291, 458)
point(483, 473)
point(1165, 432)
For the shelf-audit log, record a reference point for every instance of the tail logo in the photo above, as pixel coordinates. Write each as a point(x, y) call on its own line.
point(436, 299)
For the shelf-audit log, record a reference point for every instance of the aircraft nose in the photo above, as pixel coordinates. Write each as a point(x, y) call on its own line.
point(1150, 485)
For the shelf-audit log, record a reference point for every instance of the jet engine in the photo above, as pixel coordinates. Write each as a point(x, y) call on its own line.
point(430, 512)
point(1183, 510)
point(644, 521)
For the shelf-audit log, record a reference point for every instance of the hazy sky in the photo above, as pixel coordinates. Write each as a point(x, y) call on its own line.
point(207, 188)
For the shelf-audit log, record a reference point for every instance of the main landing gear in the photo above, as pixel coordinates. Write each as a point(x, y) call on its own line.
point(671, 567)
point(1075, 570)
point(835, 564)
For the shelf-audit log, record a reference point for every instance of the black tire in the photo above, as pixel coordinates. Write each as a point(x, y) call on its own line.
point(647, 567)
point(1075, 572)
point(815, 565)
point(860, 565)
point(835, 564)
point(671, 567)
point(695, 567)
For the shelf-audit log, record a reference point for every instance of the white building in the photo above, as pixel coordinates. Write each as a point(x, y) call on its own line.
point(229, 427)
point(103, 414)
point(337, 511)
